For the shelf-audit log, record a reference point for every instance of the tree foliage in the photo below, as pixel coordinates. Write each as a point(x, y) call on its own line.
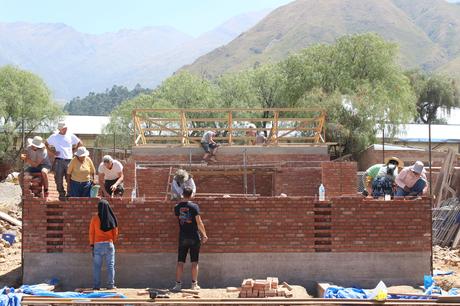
point(357, 80)
point(101, 104)
point(434, 92)
point(25, 103)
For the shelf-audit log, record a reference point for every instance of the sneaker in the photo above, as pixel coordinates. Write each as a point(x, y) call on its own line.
point(177, 287)
point(111, 287)
point(96, 289)
point(195, 286)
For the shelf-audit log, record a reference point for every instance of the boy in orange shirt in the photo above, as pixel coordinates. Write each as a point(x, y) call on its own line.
point(103, 232)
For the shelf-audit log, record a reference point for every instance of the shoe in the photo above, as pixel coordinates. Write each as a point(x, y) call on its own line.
point(112, 287)
point(195, 286)
point(177, 287)
point(96, 289)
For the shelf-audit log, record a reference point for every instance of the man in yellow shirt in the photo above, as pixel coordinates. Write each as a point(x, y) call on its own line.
point(80, 174)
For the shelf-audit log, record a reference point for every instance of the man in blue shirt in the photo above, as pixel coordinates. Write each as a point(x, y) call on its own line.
point(191, 234)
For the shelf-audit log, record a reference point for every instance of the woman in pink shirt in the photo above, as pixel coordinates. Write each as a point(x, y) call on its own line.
point(411, 181)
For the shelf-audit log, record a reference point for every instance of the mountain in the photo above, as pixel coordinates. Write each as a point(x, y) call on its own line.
point(74, 63)
point(428, 32)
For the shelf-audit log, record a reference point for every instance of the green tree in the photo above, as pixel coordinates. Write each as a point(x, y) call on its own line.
point(101, 104)
point(25, 104)
point(434, 92)
point(359, 83)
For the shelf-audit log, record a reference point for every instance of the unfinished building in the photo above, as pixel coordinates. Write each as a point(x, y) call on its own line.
point(259, 204)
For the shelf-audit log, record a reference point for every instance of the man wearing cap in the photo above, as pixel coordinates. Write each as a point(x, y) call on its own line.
point(412, 181)
point(36, 157)
point(61, 145)
point(80, 174)
point(209, 146)
point(111, 176)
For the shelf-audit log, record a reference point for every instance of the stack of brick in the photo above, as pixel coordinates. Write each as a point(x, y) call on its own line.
point(261, 288)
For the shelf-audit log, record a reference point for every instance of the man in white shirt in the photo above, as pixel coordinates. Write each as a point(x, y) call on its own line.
point(61, 145)
point(209, 146)
point(111, 177)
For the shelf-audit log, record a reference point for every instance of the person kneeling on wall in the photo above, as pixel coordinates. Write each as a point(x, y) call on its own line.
point(412, 181)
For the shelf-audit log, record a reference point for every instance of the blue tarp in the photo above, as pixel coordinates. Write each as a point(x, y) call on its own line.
point(35, 290)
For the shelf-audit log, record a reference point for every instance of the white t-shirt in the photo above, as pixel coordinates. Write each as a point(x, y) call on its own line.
point(111, 174)
point(63, 144)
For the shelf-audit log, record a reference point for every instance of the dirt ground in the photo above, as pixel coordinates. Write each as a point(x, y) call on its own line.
point(10, 255)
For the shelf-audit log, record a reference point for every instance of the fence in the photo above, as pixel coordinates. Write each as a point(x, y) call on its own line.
point(233, 126)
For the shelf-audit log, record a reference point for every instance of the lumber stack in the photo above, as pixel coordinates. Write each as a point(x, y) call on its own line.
point(262, 288)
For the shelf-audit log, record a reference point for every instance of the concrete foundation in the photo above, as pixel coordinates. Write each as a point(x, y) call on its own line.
point(363, 269)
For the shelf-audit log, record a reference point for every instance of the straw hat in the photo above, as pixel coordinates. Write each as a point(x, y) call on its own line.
point(399, 161)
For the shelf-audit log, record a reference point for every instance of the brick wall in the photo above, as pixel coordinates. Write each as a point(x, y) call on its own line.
point(239, 225)
point(339, 178)
point(298, 181)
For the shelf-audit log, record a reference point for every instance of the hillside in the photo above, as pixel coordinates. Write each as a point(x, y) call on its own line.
point(428, 32)
point(74, 63)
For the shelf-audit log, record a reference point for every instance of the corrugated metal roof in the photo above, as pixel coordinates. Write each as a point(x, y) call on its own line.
point(419, 133)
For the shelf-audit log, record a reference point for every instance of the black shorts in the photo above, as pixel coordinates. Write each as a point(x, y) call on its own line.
point(37, 169)
point(208, 146)
point(118, 191)
point(187, 244)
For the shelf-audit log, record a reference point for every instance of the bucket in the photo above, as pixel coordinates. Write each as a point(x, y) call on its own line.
point(9, 237)
point(94, 191)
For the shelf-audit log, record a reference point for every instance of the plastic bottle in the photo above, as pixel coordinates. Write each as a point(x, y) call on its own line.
point(322, 193)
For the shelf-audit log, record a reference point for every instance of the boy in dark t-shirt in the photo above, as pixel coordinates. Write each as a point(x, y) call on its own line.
point(191, 234)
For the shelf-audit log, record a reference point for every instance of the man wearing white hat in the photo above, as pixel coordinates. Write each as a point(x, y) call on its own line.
point(411, 181)
point(61, 145)
point(37, 158)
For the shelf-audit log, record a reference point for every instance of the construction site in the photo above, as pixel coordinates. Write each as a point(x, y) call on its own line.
point(272, 239)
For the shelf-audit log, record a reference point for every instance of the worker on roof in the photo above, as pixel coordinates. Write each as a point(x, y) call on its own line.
point(379, 179)
point(209, 146)
point(182, 179)
point(412, 181)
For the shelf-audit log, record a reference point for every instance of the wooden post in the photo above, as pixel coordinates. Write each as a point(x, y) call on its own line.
point(230, 127)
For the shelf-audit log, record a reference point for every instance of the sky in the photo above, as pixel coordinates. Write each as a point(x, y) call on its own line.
point(193, 17)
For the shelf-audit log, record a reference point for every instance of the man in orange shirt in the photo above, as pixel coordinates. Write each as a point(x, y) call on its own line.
point(103, 232)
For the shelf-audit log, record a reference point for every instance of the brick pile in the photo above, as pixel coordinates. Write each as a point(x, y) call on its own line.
point(261, 288)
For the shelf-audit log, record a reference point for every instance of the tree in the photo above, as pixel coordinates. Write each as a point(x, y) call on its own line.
point(121, 120)
point(101, 104)
point(358, 82)
point(434, 92)
point(25, 104)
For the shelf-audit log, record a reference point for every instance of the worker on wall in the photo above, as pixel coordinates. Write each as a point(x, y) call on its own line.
point(379, 179)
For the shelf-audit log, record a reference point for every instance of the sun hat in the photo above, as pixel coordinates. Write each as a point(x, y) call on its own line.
point(181, 175)
point(399, 161)
point(61, 125)
point(37, 142)
point(81, 151)
point(417, 167)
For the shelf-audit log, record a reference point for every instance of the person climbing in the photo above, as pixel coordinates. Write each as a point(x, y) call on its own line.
point(103, 233)
point(209, 146)
point(191, 235)
point(182, 179)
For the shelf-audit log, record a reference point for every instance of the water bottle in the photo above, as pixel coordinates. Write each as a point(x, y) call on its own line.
point(322, 193)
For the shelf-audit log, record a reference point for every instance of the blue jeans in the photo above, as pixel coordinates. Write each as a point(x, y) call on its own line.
point(101, 250)
point(415, 190)
point(79, 189)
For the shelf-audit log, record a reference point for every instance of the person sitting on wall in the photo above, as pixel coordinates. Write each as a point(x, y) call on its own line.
point(182, 179)
point(36, 157)
point(209, 146)
point(191, 235)
point(111, 177)
point(251, 133)
point(379, 178)
point(80, 174)
point(411, 181)
point(103, 232)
